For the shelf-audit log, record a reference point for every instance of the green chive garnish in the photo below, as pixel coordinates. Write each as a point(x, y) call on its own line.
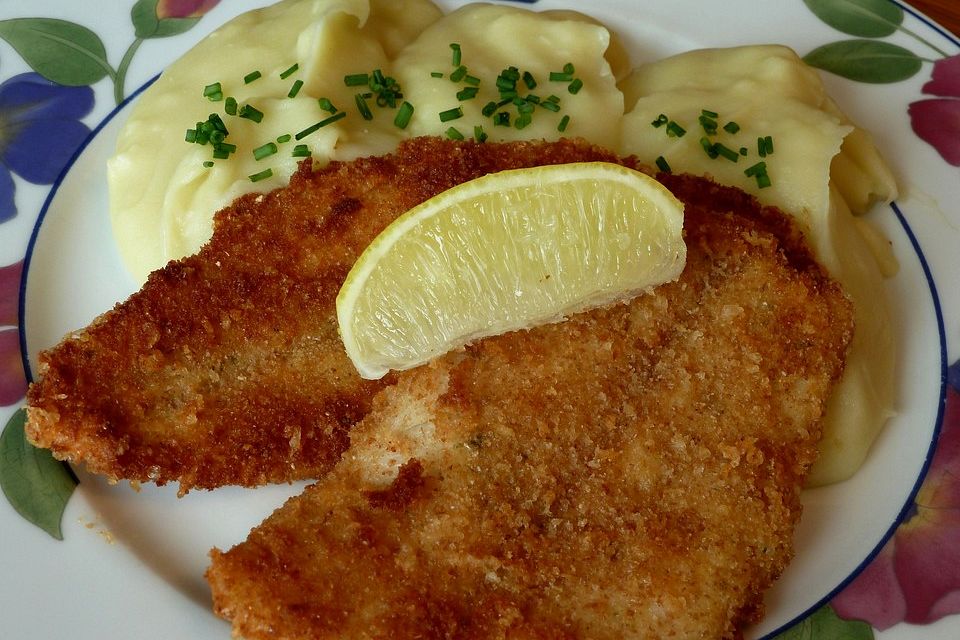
point(284, 138)
point(458, 74)
point(529, 80)
point(756, 169)
point(289, 72)
point(263, 175)
point(250, 113)
point(250, 77)
point(479, 134)
point(403, 115)
point(451, 114)
point(502, 119)
point(743, 151)
point(661, 120)
point(301, 151)
point(661, 163)
point(575, 86)
point(467, 93)
point(559, 76)
point(731, 127)
point(326, 105)
point(230, 106)
point(208, 163)
point(471, 80)
point(708, 147)
point(213, 92)
point(362, 107)
point(303, 134)
point(709, 124)
point(455, 58)
point(264, 151)
point(726, 152)
point(436, 74)
point(674, 130)
point(356, 80)
point(489, 109)
point(550, 105)
point(568, 68)
point(190, 136)
point(295, 89)
point(709, 114)
point(454, 134)
point(765, 146)
point(564, 121)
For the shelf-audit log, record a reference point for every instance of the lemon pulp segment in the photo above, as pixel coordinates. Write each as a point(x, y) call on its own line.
point(507, 251)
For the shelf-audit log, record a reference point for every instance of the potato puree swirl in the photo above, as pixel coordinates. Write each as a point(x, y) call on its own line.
point(825, 170)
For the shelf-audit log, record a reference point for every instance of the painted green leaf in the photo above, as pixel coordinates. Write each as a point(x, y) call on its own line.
point(824, 624)
point(35, 484)
point(865, 60)
point(861, 18)
point(145, 22)
point(61, 51)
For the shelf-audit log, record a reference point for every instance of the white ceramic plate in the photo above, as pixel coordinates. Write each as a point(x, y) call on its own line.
point(131, 564)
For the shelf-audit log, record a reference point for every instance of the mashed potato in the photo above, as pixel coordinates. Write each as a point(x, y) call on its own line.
point(823, 169)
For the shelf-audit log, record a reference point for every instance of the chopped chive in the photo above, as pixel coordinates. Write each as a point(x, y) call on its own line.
point(726, 152)
point(455, 58)
point(326, 105)
point(709, 114)
point(471, 80)
point(756, 169)
point(264, 151)
point(263, 175)
point(213, 92)
point(523, 121)
point(220, 152)
point(550, 106)
point(250, 77)
point(208, 163)
point(529, 80)
point(532, 97)
point(554, 99)
point(661, 163)
point(362, 106)
point(564, 121)
point(290, 71)
point(661, 120)
point(731, 127)
point(479, 134)
point(743, 151)
point(217, 122)
point(356, 79)
point(708, 147)
point(216, 137)
point(559, 76)
point(763, 181)
point(502, 119)
point(301, 151)
point(451, 114)
point(230, 106)
point(403, 115)
point(190, 136)
point(489, 109)
point(226, 146)
point(568, 68)
point(506, 84)
point(295, 89)
point(467, 93)
point(575, 86)
point(454, 134)
point(250, 113)
point(765, 146)
point(674, 130)
point(303, 134)
point(709, 124)
point(458, 74)
point(284, 138)
point(436, 74)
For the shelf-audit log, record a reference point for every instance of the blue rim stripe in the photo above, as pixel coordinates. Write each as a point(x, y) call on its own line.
point(21, 304)
point(928, 22)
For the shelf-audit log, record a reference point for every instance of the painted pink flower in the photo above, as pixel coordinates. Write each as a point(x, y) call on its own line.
point(916, 577)
point(184, 8)
point(13, 382)
point(937, 120)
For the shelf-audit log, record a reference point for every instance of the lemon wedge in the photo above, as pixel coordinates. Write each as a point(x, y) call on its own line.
point(507, 251)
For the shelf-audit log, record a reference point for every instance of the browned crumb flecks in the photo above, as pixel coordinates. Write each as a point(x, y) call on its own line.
point(226, 368)
point(633, 472)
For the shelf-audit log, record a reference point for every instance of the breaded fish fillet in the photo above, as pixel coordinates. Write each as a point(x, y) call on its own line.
point(633, 472)
point(226, 367)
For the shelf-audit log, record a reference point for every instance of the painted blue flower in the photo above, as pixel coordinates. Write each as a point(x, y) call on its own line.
point(40, 129)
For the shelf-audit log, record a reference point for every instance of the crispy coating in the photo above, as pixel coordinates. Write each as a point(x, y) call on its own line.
point(633, 472)
point(226, 367)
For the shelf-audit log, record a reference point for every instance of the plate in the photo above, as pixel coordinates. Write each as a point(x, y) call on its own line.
point(877, 556)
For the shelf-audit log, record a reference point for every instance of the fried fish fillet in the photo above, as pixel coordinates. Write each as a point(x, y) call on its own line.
point(633, 472)
point(226, 367)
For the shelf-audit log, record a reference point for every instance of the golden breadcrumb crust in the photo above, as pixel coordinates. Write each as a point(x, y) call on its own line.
point(226, 367)
point(633, 472)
